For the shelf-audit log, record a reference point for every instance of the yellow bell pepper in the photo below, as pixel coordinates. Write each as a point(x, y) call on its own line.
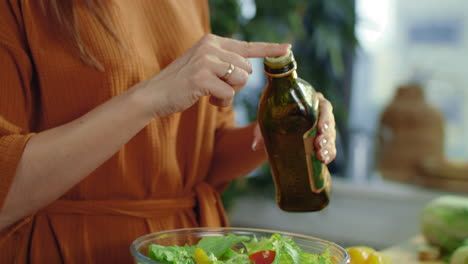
point(201, 257)
point(378, 258)
point(359, 255)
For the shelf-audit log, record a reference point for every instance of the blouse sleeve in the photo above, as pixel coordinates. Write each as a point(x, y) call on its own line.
point(205, 15)
point(16, 75)
point(225, 117)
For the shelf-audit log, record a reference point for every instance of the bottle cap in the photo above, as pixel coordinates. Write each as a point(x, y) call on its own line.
point(280, 61)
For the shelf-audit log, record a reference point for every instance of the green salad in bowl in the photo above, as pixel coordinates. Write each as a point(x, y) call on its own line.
point(234, 246)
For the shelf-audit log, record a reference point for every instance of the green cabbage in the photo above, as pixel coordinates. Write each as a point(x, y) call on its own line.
point(444, 222)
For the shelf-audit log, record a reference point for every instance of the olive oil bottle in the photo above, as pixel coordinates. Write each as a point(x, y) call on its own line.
point(288, 115)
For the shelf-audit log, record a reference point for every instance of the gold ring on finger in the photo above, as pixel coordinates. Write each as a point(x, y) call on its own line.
point(228, 73)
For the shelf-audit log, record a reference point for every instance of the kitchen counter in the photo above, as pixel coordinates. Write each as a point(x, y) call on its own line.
point(407, 252)
point(377, 213)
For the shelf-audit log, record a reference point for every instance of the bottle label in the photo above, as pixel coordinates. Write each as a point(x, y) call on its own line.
point(318, 173)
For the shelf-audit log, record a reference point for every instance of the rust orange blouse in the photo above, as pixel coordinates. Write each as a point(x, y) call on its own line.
point(157, 181)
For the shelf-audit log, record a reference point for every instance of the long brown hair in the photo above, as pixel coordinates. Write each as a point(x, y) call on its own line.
point(63, 15)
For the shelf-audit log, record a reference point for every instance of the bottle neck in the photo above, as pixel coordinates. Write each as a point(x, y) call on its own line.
point(288, 71)
point(283, 84)
point(285, 76)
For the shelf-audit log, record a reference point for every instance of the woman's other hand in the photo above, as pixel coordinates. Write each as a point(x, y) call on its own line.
point(201, 71)
point(326, 137)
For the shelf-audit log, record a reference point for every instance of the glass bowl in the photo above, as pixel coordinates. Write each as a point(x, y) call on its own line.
point(191, 236)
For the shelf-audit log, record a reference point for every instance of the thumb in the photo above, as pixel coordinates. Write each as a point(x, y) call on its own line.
point(258, 142)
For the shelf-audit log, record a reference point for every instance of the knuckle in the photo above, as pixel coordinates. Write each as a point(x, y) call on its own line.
point(206, 48)
point(193, 79)
point(242, 62)
point(228, 95)
point(327, 104)
point(243, 76)
point(246, 46)
point(324, 101)
point(203, 60)
point(207, 38)
point(198, 77)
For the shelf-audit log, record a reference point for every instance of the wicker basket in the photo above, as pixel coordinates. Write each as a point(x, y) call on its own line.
point(411, 131)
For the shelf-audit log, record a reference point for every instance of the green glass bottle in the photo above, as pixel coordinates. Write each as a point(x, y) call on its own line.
point(288, 115)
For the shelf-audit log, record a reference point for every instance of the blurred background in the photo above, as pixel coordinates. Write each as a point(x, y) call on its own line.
point(396, 74)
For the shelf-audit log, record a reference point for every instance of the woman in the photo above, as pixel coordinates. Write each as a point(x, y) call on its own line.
point(116, 121)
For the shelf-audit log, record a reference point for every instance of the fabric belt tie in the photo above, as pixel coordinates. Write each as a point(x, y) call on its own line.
point(135, 208)
point(211, 211)
point(210, 208)
point(210, 205)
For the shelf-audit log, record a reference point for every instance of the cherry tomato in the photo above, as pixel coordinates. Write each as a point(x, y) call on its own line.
point(263, 257)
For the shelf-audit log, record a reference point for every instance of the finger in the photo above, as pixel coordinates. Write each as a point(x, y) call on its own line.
point(325, 148)
point(327, 155)
point(234, 58)
point(254, 49)
point(221, 93)
point(329, 134)
point(237, 79)
point(258, 142)
point(220, 102)
point(326, 119)
point(322, 141)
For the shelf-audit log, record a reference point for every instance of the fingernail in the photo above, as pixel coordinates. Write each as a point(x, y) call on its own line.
point(325, 156)
point(254, 145)
point(325, 127)
point(250, 67)
point(323, 142)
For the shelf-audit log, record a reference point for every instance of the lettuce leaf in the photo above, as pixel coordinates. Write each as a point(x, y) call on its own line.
point(234, 257)
point(256, 245)
point(219, 245)
point(308, 258)
point(170, 255)
point(287, 252)
point(220, 251)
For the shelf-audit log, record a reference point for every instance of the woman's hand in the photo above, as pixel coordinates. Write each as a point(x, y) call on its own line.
point(201, 71)
point(326, 137)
